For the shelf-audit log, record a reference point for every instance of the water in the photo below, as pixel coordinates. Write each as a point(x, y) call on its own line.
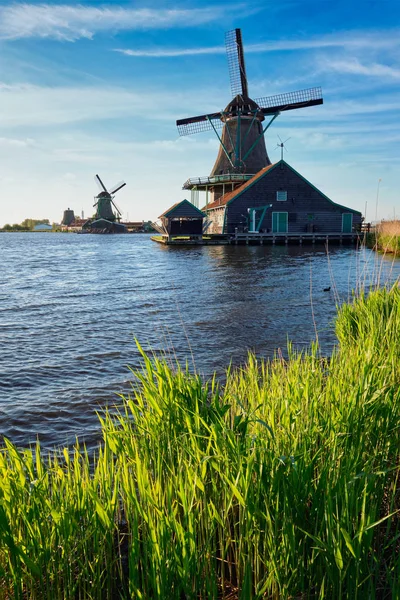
point(71, 307)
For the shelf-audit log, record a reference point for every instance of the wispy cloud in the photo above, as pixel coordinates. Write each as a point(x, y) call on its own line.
point(166, 53)
point(353, 66)
point(17, 143)
point(71, 22)
point(347, 40)
point(38, 106)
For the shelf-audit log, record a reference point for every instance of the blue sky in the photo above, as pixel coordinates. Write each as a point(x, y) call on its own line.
point(89, 87)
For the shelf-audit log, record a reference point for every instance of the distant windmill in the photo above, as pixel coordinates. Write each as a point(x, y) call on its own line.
point(108, 214)
point(242, 151)
point(105, 201)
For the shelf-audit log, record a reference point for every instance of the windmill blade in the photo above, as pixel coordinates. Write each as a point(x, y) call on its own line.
point(236, 66)
point(117, 187)
point(199, 124)
point(300, 99)
point(116, 207)
point(99, 182)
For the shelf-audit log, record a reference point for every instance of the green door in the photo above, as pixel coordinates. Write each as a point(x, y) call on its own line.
point(279, 222)
point(347, 222)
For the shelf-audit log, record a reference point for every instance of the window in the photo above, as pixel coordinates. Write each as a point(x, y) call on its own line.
point(281, 195)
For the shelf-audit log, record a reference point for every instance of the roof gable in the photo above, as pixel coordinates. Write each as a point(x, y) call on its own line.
point(182, 209)
point(231, 196)
point(226, 198)
point(319, 191)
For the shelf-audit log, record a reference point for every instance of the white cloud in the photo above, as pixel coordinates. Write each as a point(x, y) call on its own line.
point(353, 66)
point(17, 143)
point(33, 105)
point(69, 23)
point(165, 53)
point(348, 40)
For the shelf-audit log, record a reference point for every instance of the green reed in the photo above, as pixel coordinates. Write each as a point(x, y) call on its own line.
point(281, 483)
point(388, 236)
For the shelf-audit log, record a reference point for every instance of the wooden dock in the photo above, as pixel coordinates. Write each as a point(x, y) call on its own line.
point(260, 239)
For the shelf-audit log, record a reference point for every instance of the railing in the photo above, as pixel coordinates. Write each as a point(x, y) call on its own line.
point(226, 178)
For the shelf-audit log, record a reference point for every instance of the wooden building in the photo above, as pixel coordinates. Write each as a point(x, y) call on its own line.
point(278, 199)
point(182, 219)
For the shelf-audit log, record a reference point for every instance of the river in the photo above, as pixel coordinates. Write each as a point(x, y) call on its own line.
point(71, 307)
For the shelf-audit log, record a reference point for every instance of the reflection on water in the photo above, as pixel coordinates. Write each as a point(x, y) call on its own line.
point(71, 307)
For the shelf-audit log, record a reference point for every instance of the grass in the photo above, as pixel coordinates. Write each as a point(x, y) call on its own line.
point(282, 483)
point(388, 236)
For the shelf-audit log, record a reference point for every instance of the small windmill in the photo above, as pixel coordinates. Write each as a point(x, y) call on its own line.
point(108, 215)
point(282, 146)
point(242, 151)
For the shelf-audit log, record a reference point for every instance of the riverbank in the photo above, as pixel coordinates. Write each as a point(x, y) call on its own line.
point(282, 483)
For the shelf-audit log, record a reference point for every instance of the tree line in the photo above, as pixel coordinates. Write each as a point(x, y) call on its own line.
point(26, 225)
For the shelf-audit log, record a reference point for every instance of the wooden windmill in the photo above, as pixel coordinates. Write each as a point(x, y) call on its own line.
point(108, 215)
point(242, 151)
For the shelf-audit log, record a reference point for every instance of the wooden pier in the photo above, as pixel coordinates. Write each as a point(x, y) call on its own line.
point(259, 239)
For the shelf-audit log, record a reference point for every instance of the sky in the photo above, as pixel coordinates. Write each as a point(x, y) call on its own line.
point(90, 87)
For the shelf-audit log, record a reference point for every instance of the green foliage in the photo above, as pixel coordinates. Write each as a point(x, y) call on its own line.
point(26, 225)
point(389, 243)
point(14, 227)
point(29, 224)
point(388, 236)
point(282, 483)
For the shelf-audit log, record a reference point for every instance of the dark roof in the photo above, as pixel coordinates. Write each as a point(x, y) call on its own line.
point(224, 200)
point(182, 209)
point(246, 105)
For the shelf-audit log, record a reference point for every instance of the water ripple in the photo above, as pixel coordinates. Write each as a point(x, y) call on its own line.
point(68, 333)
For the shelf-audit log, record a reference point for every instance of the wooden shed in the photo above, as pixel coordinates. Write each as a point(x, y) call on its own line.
point(279, 200)
point(183, 219)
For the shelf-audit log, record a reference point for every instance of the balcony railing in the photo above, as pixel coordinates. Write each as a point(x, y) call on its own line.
point(226, 178)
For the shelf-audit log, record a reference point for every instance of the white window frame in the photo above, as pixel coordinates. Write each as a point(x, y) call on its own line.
point(280, 193)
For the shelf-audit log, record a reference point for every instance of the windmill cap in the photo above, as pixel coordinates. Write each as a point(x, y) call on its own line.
point(246, 105)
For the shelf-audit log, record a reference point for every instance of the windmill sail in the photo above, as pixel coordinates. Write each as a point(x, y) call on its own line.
point(116, 207)
point(237, 68)
point(99, 181)
point(199, 124)
point(290, 101)
point(117, 187)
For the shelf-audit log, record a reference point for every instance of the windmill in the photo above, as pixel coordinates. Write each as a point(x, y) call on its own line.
point(242, 151)
point(108, 215)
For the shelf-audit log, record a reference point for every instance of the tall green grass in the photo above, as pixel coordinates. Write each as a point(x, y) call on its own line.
point(388, 236)
point(282, 483)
